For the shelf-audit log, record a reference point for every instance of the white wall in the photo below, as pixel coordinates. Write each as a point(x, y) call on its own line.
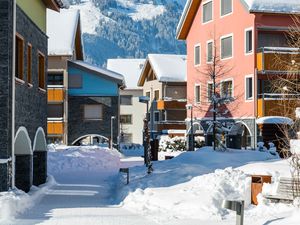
point(137, 110)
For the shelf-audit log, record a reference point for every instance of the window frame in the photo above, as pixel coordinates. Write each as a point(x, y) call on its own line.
point(154, 116)
point(196, 46)
point(123, 97)
point(212, 52)
point(222, 16)
point(19, 67)
point(232, 46)
point(29, 63)
point(246, 97)
point(41, 71)
point(195, 92)
point(232, 88)
point(154, 93)
point(126, 123)
point(212, 11)
point(93, 119)
point(209, 83)
point(245, 41)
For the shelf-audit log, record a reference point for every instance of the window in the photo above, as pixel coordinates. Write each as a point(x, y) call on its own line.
point(249, 88)
point(126, 119)
point(41, 70)
point(209, 52)
point(249, 41)
point(226, 7)
point(226, 88)
point(75, 81)
point(55, 110)
point(93, 112)
point(156, 116)
point(156, 95)
point(197, 94)
point(210, 91)
point(19, 67)
point(29, 63)
point(207, 12)
point(126, 100)
point(226, 47)
point(148, 94)
point(163, 115)
point(55, 78)
point(197, 55)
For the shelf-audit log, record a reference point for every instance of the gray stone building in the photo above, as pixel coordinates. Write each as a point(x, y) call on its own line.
point(93, 97)
point(23, 95)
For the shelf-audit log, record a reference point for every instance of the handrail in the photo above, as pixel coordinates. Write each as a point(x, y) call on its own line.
point(281, 96)
point(278, 50)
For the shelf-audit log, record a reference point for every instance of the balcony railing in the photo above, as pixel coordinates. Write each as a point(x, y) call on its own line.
point(171, 125)
point(55, 127)
point(272, 104)
point(171, 104)
point(278, 60)
point(56, 94)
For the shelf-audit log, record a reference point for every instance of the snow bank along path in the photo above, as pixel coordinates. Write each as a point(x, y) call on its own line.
point(83, 193)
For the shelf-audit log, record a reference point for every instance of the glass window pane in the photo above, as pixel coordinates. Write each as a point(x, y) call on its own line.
point(55, 110)
point(226, 7)
point(248, 41)
point(209, 52)
point(197, 93)
point(226, 47)
point(126, 100)
point(126, 119)
point(197, 55)
point(207, 12)
point(249, 87)
point(92, 112)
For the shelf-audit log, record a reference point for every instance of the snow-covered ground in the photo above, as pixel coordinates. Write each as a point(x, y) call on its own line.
point(186, 190)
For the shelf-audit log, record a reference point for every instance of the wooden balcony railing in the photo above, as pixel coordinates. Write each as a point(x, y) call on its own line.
point(277, 105)
point(274, 60)
point(171, 125)
point(56, 94)
point(55, 128)
point(171, 104)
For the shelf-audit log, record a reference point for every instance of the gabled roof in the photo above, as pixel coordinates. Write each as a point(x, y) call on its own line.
point(56, 4)
point(116, 77)
point(166, 67)
point(253, 6)
point(129, 68)
point(64, 32)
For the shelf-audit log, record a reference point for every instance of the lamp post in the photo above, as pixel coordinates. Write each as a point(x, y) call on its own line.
point(112, 131)
point(146, 139)
point(191, 135)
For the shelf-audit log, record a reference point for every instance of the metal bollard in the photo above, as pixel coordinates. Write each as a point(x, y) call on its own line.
point(237, 206)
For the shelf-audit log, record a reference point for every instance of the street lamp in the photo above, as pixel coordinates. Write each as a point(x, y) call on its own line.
point(146, 139)
point(112, 131)
point(191, 135)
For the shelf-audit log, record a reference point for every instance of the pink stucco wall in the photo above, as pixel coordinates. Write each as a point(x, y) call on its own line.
point(240, 64)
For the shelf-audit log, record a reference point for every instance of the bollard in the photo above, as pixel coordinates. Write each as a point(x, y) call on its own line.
point(237, 206)
point(125, 170)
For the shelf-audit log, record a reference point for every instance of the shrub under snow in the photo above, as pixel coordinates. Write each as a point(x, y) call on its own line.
point(172, 144)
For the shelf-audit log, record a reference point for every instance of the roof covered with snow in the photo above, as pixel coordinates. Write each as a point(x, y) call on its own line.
point(253, 6)
point(61, 30)
point(100, 71)
point(274, 6)
point(274, 120)
point(129, 68)
point(167, 68)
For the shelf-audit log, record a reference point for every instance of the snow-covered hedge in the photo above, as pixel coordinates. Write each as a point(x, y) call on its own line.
point(172, 144)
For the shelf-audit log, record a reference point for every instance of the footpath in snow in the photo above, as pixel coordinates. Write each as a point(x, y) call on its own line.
point(187, 190)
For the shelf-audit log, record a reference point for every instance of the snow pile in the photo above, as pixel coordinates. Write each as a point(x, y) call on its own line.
point(276, 6)
point(15, 202)
point(191, 185)
point(82, 160)
point(200, 198)
point(274, 120)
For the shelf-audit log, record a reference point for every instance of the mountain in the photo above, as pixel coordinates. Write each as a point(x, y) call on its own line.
point(129, 28)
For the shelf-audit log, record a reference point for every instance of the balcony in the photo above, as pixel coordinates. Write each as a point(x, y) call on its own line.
point(277, 105)
point(56, 93)
point(171, 125)
point(171, 104)
point(278, 60)
point(55, 127)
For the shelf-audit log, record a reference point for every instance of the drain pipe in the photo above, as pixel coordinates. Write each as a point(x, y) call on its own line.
point(13, 95)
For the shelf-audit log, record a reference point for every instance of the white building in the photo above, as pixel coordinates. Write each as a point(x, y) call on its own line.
point(132, 112)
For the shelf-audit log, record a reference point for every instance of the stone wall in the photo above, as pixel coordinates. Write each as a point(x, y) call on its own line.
point(31, 103)
point(78, 127)
point(6, 46)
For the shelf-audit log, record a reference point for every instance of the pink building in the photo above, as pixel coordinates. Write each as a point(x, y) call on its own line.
point(245, 34)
